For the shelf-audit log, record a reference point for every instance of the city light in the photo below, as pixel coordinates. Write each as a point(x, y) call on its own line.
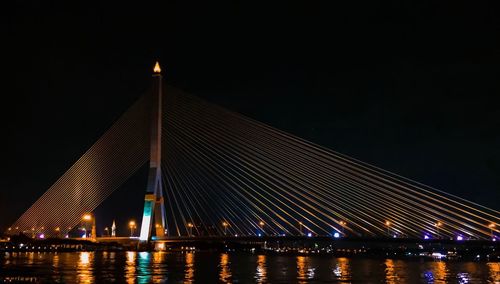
point(460, 238)
point(87, 217)
point(309, 234)
point(336, 235)
point(426, 237)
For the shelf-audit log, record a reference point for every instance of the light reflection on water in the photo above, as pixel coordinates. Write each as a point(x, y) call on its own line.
point(159, 269)
point(130, 267)
point(261, 271)
point(85, 268)
point(205, 267)
point(305, 271)
point(143, 267)
point(494, 269)
point(225, 269)
point(341, 269)
point(440, 272)
point(189, 270)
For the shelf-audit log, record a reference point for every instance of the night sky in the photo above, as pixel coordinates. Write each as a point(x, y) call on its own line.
point(411, 87)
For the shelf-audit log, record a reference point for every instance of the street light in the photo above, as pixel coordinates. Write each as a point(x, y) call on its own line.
point(388, 224)
point(492, 226)
point(342, 224)
point(190, 226)
point(438, 224)
point(225, 225)
point(87, 217)
point(132, 227)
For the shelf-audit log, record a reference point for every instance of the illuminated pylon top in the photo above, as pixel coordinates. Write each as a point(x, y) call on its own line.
point(157, 68)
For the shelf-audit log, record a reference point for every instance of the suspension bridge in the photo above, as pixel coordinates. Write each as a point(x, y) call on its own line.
point(216, 173)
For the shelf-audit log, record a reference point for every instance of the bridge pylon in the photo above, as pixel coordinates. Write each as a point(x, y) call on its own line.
point(154, 206)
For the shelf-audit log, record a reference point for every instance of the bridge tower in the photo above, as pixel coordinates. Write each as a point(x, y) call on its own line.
point(154, 207)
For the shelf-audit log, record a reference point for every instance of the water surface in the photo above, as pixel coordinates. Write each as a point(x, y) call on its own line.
point(234, 267)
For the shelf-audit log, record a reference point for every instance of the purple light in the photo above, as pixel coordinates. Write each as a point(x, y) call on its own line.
point(42, 236)
point(460, 238)
point(426, 237)
point(494, 239)
point(309, 234)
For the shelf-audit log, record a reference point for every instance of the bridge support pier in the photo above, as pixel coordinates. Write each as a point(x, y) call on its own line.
point(154, 207)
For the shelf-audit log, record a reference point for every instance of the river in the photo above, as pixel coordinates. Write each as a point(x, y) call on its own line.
point(233, 267)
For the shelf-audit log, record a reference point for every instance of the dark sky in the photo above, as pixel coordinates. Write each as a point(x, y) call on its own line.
point(409, 86)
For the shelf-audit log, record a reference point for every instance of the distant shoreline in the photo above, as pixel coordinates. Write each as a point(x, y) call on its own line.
point(291, 246)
